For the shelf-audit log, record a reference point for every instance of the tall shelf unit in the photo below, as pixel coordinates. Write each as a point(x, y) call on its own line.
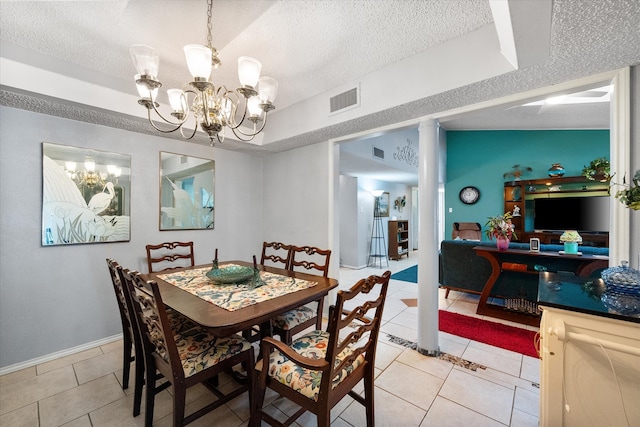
point(519, 194)
point(398, 239)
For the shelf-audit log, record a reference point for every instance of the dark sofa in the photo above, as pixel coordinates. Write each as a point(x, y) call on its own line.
point(462, 270)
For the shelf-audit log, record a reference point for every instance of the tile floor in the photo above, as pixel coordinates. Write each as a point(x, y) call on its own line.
point(84, 389)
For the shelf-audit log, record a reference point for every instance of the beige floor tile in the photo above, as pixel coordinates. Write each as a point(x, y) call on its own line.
point(115, 346)
point(68, 360)
point(527, 401)
point(83, 421)
point(395, 378)
point(522, 419)
point(399, 331)
point(499, 362)
point(73, 403)
point(477, 394)
point(120, 412)
point(445, 413)
point(385, 354)
point(27, 416)
point(390, 410)
point(503, 379)
point(17, 376)
point(530, 369)
point(406, 319)
point(463, 307)
point(98, 366)
point(454, 347)
point(431, 365)
point(31, 390)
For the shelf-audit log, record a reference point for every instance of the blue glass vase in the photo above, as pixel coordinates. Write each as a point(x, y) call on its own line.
point(556, 170)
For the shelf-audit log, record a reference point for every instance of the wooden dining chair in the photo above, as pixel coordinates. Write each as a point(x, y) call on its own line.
point(286, 325)
point(185, 357)
point(276, 254)
point(130, 338)
point(169, 255)
point(321, 367)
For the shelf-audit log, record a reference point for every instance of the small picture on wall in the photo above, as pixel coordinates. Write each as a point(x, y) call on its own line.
point(383, 204)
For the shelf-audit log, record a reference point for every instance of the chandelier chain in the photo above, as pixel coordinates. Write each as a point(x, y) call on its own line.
point(209, 38)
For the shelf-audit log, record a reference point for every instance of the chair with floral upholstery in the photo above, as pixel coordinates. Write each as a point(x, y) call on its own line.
point(321, 367)
point(186, 357)
point(130, 339)
point(169, 255)
point(286, 325)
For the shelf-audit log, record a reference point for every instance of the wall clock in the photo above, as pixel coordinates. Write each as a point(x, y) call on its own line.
point(469, 195)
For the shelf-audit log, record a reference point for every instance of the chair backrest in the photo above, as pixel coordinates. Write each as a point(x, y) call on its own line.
point(123, 306)
point(275, 253)
point(152, 321)
point(355, 330)
point(169, 255)
point(467, 231)
point(309, 257)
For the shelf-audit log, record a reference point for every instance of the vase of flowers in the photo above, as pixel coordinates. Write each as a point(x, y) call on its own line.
point(570, 238)
point(501, 228)
point(516, 172)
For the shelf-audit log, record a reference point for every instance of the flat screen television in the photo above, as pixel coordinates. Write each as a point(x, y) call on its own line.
point(589, 214)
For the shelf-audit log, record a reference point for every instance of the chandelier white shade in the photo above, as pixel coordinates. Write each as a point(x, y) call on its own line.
point(212, 108)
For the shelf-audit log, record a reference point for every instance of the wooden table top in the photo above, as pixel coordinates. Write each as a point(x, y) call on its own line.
point(224, 322)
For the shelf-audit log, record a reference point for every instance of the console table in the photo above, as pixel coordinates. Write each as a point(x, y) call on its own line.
point(583, 265)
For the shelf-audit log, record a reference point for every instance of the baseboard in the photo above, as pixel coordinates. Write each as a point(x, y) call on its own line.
point(58, 354)
point(353, 267)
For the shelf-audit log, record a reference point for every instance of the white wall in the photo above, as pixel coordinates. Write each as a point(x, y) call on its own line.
point(296, 211)
point(348, 206)
point(57, 298)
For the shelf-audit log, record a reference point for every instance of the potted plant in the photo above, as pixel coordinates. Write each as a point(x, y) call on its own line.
point(630, 196)
point(570, 238)
point(516, 172)
point(597, 170)
point(501, 228)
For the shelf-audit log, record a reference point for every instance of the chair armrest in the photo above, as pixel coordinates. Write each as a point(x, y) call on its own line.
point(269, 344)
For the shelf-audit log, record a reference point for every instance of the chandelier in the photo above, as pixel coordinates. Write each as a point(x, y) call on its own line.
point(90, 176)
point(214, 109)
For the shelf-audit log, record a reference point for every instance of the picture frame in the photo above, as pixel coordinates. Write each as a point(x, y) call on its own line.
point(383, 205)
point(187, 192)
point(85, 195)
point(534, 244)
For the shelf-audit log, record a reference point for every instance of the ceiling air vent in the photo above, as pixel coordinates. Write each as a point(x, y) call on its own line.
point(378, 153)
point(344, 100)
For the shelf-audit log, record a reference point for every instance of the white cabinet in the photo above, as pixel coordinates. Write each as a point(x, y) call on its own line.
point(590, 370)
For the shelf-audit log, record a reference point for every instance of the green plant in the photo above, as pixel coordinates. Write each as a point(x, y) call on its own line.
point(630, 196)
point(500, 226)
point(598, 170)
point(517, 171)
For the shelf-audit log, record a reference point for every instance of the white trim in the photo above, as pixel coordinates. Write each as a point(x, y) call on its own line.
point(58, 354)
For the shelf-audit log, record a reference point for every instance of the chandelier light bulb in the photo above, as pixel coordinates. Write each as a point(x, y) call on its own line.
point(145, 59)
point(253, 106)
point(176, 100)
point(70, 166)
point(89, 164)
point(249, 71)
point(267, 89)
point(198, 61)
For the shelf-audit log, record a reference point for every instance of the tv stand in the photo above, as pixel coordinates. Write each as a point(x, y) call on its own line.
point(553, 237)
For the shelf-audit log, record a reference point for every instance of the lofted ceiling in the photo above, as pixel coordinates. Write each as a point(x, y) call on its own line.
point(314, 47)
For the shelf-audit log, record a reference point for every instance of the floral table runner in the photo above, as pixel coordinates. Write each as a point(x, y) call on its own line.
point(234, 296)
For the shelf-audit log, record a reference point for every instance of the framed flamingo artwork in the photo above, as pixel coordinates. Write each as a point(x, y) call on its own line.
point(187, 199)
point(85, 195)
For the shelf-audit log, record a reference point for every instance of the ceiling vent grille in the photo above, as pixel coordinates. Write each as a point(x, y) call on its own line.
point(378, 153)
point(344, 100)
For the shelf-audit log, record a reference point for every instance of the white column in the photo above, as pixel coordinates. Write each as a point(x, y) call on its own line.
point(428, 238)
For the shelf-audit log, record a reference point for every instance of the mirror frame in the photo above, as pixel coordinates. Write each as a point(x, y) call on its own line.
point(79, 206)
point(187, 192)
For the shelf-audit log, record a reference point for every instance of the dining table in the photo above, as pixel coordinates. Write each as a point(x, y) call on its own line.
point(231, 308)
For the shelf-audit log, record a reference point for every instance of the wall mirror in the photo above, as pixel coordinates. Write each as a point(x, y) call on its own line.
point(186, 192)
point(85, 195)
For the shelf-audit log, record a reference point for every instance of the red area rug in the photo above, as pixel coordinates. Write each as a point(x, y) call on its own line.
point(496, 334)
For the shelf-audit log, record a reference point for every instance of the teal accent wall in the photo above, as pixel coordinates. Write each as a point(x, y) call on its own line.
point(480, 158)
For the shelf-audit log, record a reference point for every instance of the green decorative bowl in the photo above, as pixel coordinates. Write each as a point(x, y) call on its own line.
point(230, 274)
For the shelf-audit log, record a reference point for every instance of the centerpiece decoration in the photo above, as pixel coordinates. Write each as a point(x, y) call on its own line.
point(516, 172)
point(630, 196)
point(501, 228)
point(571, 238)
